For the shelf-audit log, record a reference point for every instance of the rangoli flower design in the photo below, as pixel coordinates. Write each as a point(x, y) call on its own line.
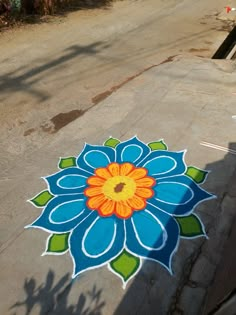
point(119, 203)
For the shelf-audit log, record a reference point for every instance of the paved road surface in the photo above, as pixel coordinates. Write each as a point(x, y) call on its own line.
point(60, 67)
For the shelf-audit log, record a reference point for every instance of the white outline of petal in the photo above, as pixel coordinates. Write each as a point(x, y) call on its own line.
point(50, 231)
point(169, 267)
point(75, 175)
point(131, 145)
point(95, 151)
point(109, 246)
point(74, 275)
point(190, 211)
point(183, 160)
point(165, 236)
point(159, 157)
point(170, 203)
point(65, 193)
point(82, 211)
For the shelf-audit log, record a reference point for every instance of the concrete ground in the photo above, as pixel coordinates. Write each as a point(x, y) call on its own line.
point(222, 298)
point(69, 64)
point(185, 100)
point(171, 101)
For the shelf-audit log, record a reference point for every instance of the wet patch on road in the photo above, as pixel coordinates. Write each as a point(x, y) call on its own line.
point(100, 97)
point(57, 122)
point(63, 119)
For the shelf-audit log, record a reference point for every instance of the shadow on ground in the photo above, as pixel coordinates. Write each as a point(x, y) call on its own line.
point(155, 291)
point(52, 298)
point(14, 81)
point(26, 78)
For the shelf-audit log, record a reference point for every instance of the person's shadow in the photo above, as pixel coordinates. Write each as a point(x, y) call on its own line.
point(53, 298)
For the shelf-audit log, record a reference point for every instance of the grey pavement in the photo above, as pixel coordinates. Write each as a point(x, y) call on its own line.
point(61, 66)
point(184, 101)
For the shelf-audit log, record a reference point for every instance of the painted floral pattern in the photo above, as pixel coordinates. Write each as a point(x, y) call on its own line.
point(118, 203)
point(119, 189)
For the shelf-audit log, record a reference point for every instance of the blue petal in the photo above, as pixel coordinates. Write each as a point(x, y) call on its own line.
point(174, 193)
point(69, 181)
point(132, 150)
point(72, 181)
point(178, 195)
point(164, 163)
point(67, 211)
point(149, 230)
point(62, 213)
point(94, 156)
point(96, 241)
point(162, 242)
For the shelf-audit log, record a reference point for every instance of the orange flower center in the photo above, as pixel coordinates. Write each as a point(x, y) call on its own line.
point(119, 189)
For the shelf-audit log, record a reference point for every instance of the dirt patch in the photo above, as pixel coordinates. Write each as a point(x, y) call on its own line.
point(61, 120)
point(29, 131)
point(227, 26)
point(47, 127)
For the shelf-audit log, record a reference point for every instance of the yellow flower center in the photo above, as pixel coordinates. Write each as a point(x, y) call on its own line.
point(119, 189)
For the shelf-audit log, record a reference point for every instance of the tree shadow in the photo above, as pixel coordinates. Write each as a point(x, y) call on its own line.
point(155, 291)
point(13, 81)
point(52, 298)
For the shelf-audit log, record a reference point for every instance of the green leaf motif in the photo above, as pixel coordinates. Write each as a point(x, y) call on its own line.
point(67, 162)
point(42, 199)
point(58, 243)
point(159, 145)
point(190, 226)
point(196, 174)
point(126, 265)
point(111, 142)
